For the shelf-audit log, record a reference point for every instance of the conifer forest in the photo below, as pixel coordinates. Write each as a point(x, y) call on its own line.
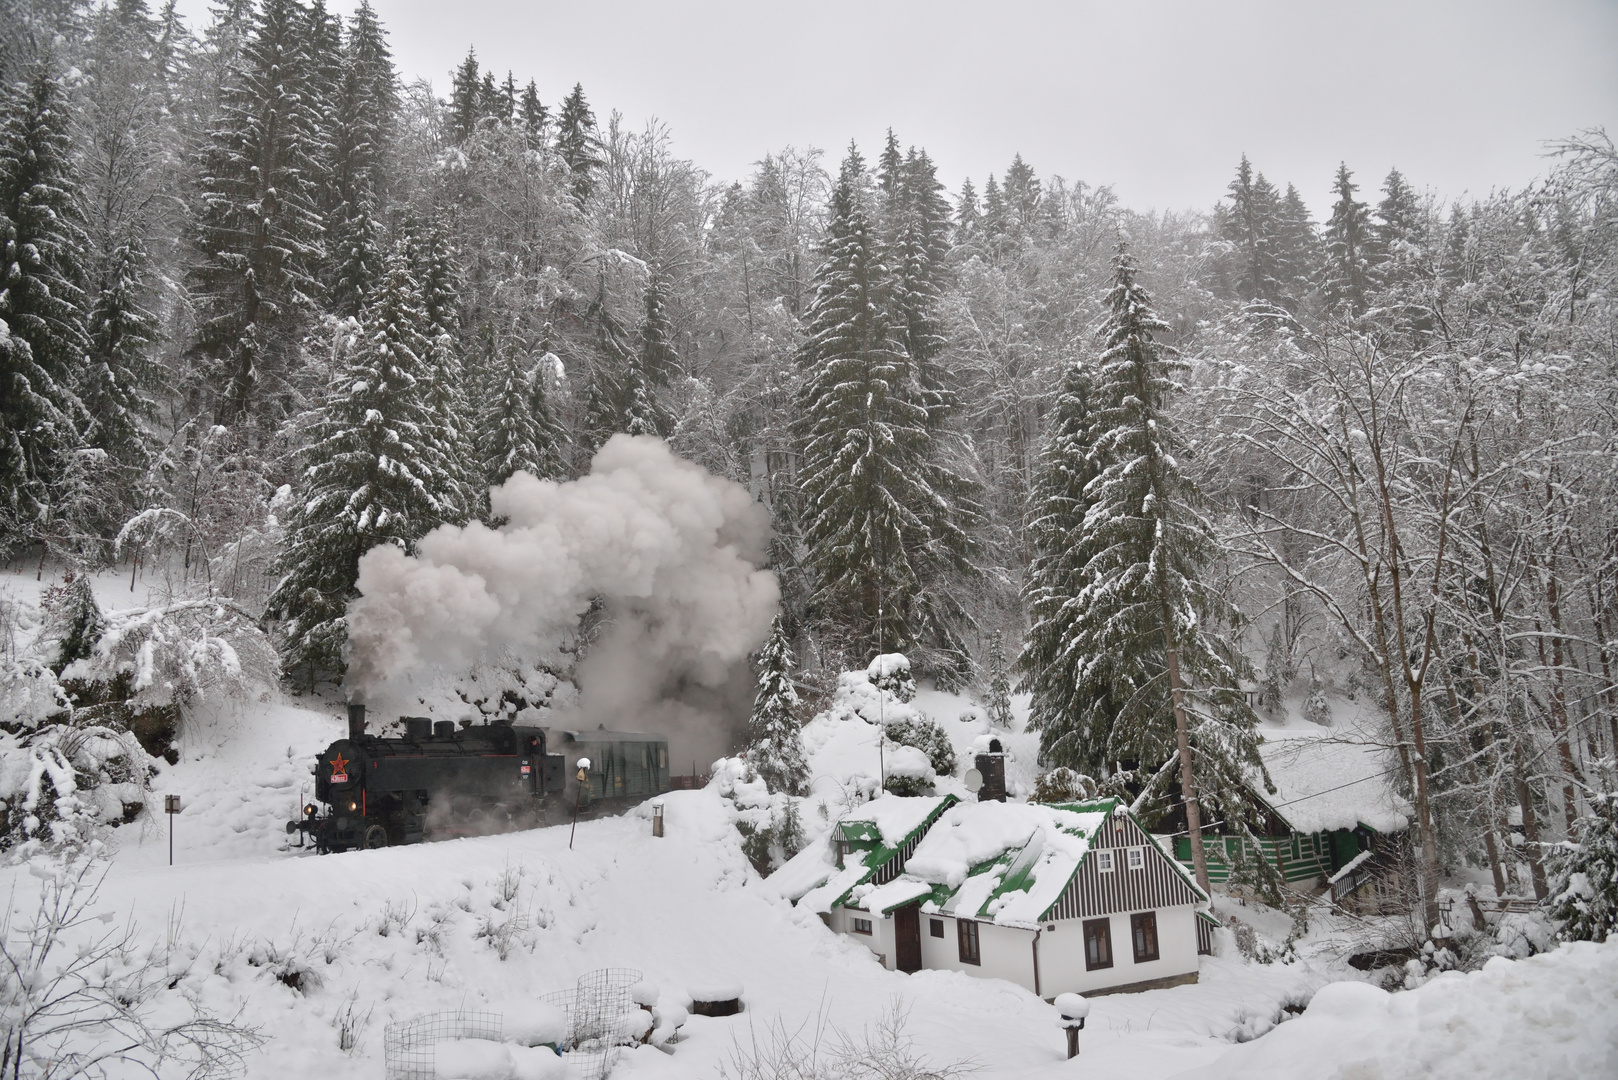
point(270, 303)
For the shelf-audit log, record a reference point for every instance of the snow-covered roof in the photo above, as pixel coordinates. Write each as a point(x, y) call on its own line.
point(1329, 779)
point(875, 833)
point(1007, 862)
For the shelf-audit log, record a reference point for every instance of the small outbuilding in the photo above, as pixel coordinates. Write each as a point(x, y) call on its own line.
point(1334, 818)
point(1062, 898)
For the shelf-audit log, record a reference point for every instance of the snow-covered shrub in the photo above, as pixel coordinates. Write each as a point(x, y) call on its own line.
point(908, 771)
point(30, 695)
point(923, 733)
point(59, 783)
point(770, 825)
point(1584, 875)
point(891, 672)
point(174, 654)
point(73, 619)
point(80, 998)
point(1063, 784)
point(1316, 709)
point(884, 1050)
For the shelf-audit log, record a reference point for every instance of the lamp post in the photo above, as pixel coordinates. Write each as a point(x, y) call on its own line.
point(579, 794)
point(1073, 1009)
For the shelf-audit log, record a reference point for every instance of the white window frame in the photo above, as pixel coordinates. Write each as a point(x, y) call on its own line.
point(1105, 862)
point(1136, 859)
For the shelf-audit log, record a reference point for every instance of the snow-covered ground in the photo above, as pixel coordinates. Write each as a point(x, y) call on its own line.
point(495, 922)
point(386, 935)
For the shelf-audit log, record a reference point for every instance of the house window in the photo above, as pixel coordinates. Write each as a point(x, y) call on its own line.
point(862, 926)
point(936, 927)
point(967, 934)
point(1104, 862)
point(1097, 944)
point(1136, 858)
point(1143, 929)
point(844, 848)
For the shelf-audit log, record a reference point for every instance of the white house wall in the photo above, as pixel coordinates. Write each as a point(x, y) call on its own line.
point(879, 940)
point(1061, 953)
point(1008, 953)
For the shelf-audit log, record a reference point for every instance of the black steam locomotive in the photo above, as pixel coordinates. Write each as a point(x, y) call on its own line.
point(440, 780)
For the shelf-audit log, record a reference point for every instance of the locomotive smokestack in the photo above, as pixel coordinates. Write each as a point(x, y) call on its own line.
point(356, 720)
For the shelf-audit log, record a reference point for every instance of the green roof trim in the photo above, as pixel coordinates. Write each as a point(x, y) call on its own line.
point(866, 839)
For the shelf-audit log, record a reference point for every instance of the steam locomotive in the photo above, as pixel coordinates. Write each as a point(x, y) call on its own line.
point(440, 780)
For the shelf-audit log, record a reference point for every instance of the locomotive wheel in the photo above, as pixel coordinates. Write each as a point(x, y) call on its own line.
point(376, 837)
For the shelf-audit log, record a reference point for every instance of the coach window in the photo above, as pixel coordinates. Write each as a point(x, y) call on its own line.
point(967, 933)
point(1097, 944)
point(1143, 928)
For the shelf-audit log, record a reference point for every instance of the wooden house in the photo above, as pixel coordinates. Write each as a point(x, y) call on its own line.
point(1334, 816)
point(1076, 897)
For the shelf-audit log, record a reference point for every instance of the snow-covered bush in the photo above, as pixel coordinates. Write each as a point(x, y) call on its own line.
point(884, 1050)
point(81, 998)
point(923, 733)
point(1063, 784)
point(177, 653)
point(59, 783)
point(891, 672)
point(1584, 875)
point(1316, 709)
point(770, 825)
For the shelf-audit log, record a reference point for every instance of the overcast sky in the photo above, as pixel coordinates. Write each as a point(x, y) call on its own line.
point(1158, 99)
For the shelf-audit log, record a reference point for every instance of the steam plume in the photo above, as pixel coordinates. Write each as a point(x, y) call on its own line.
point(672, 550)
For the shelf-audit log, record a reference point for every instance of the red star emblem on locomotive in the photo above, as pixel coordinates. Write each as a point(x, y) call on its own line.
point(339, 764)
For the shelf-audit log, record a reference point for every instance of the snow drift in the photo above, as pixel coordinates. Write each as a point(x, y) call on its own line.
point(672, 551)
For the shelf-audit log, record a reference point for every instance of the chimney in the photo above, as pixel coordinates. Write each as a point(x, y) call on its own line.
point(356, 720)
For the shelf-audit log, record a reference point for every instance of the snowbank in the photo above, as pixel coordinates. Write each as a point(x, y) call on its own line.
point(1549, 1016)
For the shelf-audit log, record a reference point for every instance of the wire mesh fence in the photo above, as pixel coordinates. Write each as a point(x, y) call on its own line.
point(600, 1020)
point(409, 1046)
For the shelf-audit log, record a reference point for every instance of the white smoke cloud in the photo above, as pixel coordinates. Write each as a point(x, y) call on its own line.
point(672, 550)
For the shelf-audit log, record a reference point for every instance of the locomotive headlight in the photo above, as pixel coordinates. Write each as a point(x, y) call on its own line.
point(309, 811)
point(353, 806)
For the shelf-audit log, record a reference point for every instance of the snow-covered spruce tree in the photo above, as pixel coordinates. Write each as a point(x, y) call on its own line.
point(1584, 875)
point(653, 367)
point(436, 265)
point(999, 704)
point(373, 474)
point(774, 743)
point(881, 525)
point(577, 143)
point(1348, 247)
point(1142, 621)
point(1250, 225)
point(42, 338)
point(1071, 704)
point(363, 111)
point(116, 383)
point(1297, 245)
point(610, 393)
point(516, 431)
point(258, 225)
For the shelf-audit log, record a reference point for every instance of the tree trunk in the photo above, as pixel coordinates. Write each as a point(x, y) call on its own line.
point(1182, 737)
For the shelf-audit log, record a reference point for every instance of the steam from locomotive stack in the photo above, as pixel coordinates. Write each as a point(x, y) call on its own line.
point(673, 552)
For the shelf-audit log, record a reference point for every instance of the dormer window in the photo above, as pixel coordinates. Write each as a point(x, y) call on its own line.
point(844, 848)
